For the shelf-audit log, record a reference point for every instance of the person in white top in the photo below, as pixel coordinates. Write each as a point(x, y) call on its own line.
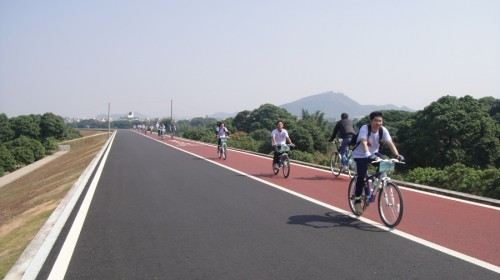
point(367, 150)
point(279, 136)
point(221, 131)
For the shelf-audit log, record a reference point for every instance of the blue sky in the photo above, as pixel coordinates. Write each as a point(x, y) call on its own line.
point(73, 57)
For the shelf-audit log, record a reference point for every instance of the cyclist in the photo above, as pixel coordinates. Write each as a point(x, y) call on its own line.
point(220, 131)
point(345, 129)
point(366, 151)
point(279, 136)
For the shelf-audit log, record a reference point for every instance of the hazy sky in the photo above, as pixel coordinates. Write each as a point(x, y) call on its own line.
point(73, 57)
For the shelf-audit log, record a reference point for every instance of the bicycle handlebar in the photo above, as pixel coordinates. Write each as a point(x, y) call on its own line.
point(394, 160)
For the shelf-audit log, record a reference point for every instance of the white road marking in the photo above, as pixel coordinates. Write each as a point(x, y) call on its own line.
point(408, 236)
point(62, 262)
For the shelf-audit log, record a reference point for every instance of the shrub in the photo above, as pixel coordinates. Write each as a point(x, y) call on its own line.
point(37, 148)
point(26, 150)
point(302, 156)
point(243, 141)
point(50, 145)
point(23, 155)
point(459, 177)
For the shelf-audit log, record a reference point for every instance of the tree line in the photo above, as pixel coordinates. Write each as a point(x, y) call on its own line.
point(452, 143)
point(27, 138)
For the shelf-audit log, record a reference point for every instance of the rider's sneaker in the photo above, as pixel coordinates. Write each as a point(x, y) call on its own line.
point(276, 166)
point(358, 209)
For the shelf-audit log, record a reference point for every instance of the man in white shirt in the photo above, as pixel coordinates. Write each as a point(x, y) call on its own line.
point(366, 151)
point(279, 136)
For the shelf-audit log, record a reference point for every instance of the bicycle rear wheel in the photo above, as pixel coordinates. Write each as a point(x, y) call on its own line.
point(286, 166)
point(335, 164)
point(219, 152)
point(351, 166)
point(390, 205)
point(351, 194)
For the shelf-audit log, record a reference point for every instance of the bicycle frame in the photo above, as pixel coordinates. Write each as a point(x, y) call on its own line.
point(222, 149)
point(223, 141)
point(283, 160)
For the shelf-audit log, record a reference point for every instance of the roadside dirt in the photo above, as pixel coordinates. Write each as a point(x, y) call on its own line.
point(25, 204)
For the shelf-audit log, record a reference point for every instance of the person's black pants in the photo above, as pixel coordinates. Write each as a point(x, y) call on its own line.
point(361, 171)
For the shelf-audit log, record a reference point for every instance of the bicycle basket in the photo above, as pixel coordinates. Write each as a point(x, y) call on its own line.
point(283, 148)
point(386, 166)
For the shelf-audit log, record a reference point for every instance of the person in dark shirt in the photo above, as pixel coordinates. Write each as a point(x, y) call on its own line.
point(345, 129)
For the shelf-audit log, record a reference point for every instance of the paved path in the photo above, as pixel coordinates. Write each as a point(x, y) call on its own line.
point(161, 213)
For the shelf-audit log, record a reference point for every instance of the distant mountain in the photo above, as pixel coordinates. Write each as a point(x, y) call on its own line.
point(333, 104)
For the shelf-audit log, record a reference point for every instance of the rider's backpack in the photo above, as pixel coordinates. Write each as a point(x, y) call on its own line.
point(354, 140)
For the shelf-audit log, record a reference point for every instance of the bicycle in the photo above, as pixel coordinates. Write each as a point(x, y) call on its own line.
point(222, 149)
point(283, 160)
point(390, 199)
point(341, 162)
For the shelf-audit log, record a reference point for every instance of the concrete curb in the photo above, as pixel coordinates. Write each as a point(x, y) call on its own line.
point(33, 257)
point(445, 192)
point(84, 137)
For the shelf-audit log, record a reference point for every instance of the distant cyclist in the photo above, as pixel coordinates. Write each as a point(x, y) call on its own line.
point(221, 131)
point(366, 151)
point(345, 129)
point(279, 136)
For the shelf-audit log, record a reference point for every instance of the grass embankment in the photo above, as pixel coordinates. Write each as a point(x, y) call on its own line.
point(26, 203)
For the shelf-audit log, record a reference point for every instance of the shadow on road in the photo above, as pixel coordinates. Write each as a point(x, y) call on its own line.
point(265, 175)
point(315, 178)
point(330, 220)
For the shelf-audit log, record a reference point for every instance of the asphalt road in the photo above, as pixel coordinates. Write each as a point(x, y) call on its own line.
point(159, 213)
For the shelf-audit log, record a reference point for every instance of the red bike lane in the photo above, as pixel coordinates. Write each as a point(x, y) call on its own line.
point(466, 228)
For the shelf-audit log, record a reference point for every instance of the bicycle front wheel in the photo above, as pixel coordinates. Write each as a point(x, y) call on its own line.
point(390, 205)
point(286, 166)
point(335, 164)
point(275, 170)
point(224, 152)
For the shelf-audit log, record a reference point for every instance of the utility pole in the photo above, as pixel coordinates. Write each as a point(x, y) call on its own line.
point(172, 127)
point(109, 123)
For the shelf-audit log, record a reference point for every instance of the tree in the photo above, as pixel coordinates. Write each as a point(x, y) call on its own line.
point(51, 126)
point(261, 135)
point(266, 117)
point(241, 121)
point(317, 127)
point(26, 125)
point(451, 130)
point(7, 160)
point(6, 132)
point(492, 106)
point(303, 139)
point(203, 122)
